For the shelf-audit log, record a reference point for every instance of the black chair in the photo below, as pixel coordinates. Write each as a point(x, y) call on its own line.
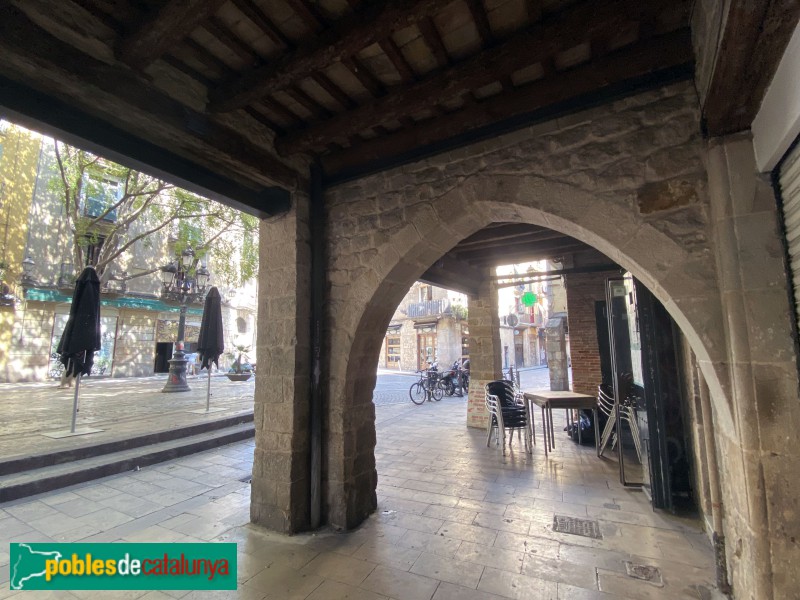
point(506, 411)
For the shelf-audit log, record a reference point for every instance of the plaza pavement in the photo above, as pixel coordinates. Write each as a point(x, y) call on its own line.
point(455, 521)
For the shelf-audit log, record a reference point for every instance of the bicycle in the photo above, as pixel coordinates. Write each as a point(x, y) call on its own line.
point(426, 388)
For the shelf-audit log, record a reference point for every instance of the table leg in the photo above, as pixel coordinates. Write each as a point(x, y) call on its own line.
point(596, 432)
point(580, 440)
point(544, 430)
point(552, 429)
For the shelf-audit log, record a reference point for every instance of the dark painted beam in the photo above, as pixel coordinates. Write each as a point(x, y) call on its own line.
point(753, 40)
point(452, 274)
point(45, 114)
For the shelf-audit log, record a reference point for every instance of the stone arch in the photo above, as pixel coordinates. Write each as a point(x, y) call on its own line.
point(682, 278)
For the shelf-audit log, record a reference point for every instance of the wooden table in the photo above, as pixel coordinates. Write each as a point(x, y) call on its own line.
point(547, 400)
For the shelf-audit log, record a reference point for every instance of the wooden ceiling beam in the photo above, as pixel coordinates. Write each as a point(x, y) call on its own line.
point(344, 39)
point(220, 31)
point(513, 239)
point(452, 274)
point(637, 60)
point(478, 13)
point(312, 20)
point(753, 40)
point(528, 47)
point(509, 257)
point(433, 39)
point(398, 60)
point(364, 76)
point(556, 241)
point(263, 22)
point(335, 92)
point(160, 29)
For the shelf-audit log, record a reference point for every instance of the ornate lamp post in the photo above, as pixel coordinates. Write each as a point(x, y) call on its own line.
point(186, 285)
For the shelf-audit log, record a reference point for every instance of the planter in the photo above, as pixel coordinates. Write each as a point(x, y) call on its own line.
point(238, 376)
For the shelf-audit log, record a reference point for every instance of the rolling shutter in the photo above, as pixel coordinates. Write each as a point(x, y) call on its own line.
point(790, 192)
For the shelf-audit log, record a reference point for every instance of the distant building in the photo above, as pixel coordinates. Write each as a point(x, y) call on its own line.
point(138, 328)
point(430, 324)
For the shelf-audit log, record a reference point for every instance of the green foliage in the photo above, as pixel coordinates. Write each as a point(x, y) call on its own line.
point(459, 311)
point(106, 201)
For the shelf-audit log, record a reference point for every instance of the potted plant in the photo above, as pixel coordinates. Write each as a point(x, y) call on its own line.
point(240, 370)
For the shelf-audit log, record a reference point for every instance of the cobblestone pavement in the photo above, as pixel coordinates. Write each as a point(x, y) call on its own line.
point(455, 520)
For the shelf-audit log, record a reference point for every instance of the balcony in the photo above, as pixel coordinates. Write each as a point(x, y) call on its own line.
point(431, 308)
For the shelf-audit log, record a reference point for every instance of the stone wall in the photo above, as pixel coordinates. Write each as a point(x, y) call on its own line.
point(134, 351)
point(627, 178)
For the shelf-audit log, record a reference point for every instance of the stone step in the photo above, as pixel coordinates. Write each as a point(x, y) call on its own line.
point(28, 462)
point(55, 476)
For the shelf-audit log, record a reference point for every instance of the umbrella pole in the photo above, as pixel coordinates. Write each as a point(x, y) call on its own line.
point(208, 392)
point(75, 402)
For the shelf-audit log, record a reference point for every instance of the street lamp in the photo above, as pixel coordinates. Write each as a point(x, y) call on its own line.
point(182, 283)
point(28, 266)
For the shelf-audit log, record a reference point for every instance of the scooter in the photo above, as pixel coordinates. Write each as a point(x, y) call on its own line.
point(450, 378)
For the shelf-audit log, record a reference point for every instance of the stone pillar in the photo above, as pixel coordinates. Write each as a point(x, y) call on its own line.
point(280, 486)
point(583, 290)
point(760, 458)
point(484, 350)
point(557, 362)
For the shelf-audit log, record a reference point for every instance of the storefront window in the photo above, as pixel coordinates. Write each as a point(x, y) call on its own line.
point(103, 358)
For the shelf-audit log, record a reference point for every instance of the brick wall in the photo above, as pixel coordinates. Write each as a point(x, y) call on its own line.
point(583, 290)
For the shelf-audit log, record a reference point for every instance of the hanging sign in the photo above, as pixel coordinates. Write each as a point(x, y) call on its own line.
point(529, 298)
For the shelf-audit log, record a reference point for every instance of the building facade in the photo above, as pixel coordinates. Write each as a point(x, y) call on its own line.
point(138, 328)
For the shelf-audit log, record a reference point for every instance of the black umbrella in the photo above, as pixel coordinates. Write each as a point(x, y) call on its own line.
point(81, 337)
point(210, 342)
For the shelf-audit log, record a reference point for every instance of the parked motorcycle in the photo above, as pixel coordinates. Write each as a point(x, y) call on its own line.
point(450, 378)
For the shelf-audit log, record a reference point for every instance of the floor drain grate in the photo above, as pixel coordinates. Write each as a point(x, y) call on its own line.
point(644, 572)
point(612, 506)
point(575, 526)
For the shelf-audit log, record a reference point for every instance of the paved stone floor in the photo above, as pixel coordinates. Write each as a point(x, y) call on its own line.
point(456, 520)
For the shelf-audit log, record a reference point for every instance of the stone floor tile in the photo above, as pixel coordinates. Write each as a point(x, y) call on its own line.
point(576, 574)
point(339, 567)
point(415, 522)
point(30, 510)
point(449, 591)
point(619, 584)
point(561, 508)
point(517, 586)
point(106, 518)
point(448, 569)
point(491, 556)
point(468, 533)
point(402, 505)
point(97, 492)
point(332, 590)
point(570, 592)
point(77, 534)
point(54, 524)
point(55, 498)
point(280, 582)
point(78, 507)
point(423, 486)
point(530, 545)
point(458, 515)
point(431, 543)
point(389, 554)
point(12, 527)
point(399, 584)
point(502, 523)
point(154, 534)
point(130, 505)
point(109, 594)
point(434, 498)
point(483, 507)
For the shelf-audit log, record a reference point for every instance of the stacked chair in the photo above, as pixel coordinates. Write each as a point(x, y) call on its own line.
point(507, 411)
point(606, 405)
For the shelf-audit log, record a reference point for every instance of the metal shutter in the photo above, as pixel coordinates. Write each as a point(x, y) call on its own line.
point(790, 192)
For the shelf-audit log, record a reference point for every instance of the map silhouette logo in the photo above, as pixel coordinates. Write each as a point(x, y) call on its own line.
point(29, 564)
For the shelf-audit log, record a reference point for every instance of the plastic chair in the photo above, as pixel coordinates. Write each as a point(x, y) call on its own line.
point(607, 405)
point(506, 412)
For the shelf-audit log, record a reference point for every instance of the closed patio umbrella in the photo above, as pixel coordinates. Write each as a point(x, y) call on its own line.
point(210, 342)
point(81, 337)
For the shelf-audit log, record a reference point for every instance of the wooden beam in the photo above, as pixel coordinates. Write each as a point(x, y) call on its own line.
point(345, 39)
point(130, 105)
point(754, 37)
point(509, 240)
point(500, 256)
point(634, 61)
point(263, 22)
point(398, 60)
point(335, 92)
point(478, 13)
point(160, 29)
point(433, 39)
point(452, 274)
point(554, 34)
point(220, 31)
point(306, 14)
point(556, 240)
point(364, 76)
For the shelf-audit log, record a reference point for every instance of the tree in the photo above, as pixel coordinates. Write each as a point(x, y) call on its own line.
point(109, 208)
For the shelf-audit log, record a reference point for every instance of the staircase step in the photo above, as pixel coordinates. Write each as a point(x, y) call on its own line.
point(58, 475)
point(28, 462)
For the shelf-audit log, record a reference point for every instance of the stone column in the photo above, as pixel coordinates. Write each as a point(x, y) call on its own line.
point(484, 350)
point(280, 486)
point(759, 460)
point(583, 290)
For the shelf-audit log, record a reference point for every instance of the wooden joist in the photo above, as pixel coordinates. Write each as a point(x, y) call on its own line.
point(157, 31)
point(528, 47)
point(657, 54)
point(343, 40)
